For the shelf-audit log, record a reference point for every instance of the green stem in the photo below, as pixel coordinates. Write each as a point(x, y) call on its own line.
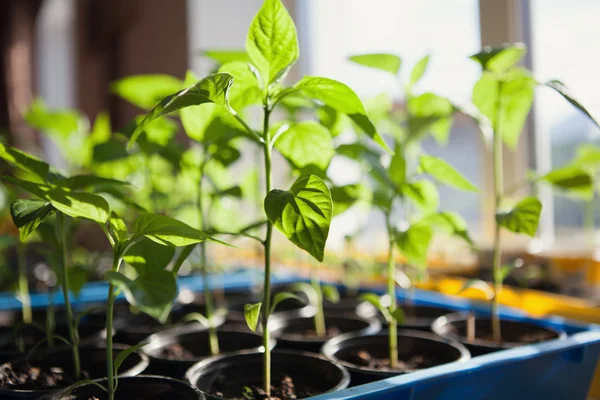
point(73, 334)
point(498, 191)
point(391, 289)
point(110, 372)
point(24, 284)
point(320, 327)
point(213, 340)
point(266, 307)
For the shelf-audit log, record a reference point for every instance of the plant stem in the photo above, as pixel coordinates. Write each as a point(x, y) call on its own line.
point(73, 334)
point(392, 325)
point(498, 191)
point(266, 306)
point(320, 327)
point(213, 340)
point(110, 372)
point(24, 284)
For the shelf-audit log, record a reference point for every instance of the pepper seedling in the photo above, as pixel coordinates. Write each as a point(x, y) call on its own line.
point(302, 213)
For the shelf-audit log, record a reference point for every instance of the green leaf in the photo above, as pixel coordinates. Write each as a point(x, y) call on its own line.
point(225, 56)
point(152, 293)
point(382, 61)
point(344, 197)
point(449, 222)
point(588, 156)
point(500, 59)
point(414, 243)
point(167, 231)
point(375, 300)
point(282, 296)
point(233, 191)
point(564, 92)
point(28, 214)
point(272, 42)
point(419, 70)
point(252, 315)
point(573, 179)
point(480, 285)
point(430, 113)
point(25, 161)
point(397, 168)
point(331, 293)
point(246, 89)
point(79, 205)
point(118, 227)
point(398, 315)
point(306, 143)
point(38, 189)
point(197, 119)
point(501, 274)
point(123, 354)
point(445, 173)
point(334, 121)
point(101, 131)
point(424, 194)
point(147, 255)
point(303, 213)
point(342, 99)
point(212, 89)
point(55, 122)
point(78, 276)
point(80, 182)
point(523, 217)
point(145, 91)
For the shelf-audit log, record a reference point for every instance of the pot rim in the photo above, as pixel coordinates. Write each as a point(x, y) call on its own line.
point(193, 373)
point(330, 348)
point(438, 327)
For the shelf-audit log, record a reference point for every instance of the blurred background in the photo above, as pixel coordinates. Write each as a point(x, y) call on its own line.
point(67, 52)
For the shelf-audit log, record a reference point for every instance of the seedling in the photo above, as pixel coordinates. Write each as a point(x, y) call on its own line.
point(316, 292)
point(302, 213)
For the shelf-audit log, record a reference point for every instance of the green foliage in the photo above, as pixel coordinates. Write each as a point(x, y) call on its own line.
point(573, 179)
point(344, 197)
point(418, 70)
point(145, 91)
point(28, 214)
point(252, 315)
point(423, 194)
point(500, 59)
point(282, 296)
point(559, 87)
point(167, 231)
point(25, 161)
point(306, 144)
point(225, 56)
point(382, 61)
point(414, 243)
point(523, 217)
point(147, 255)
point(445, 173)
point(57, 123)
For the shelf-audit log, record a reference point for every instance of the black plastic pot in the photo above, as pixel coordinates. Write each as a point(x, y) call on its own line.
point(230, 373)
point(194, 340)
point(454, 327)
point(141, 387)
point(435, 350)
point(350, 304)
point(93, 362)
point(417, 317)
point(298, 333)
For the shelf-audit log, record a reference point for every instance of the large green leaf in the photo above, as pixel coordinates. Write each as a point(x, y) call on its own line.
point(167, 231)
point(424, 195)
point(303, 213)
point(564, 92)
point(79, 205)
point(152, 293)
point(28, 214)
point(25, 161)
point(342, 99)
point(431, 113)
point(272, 42)
point(147, 255)
point(60, 123)
point(37, 189)
point(397, 168)
point(246, 89)
point(500, 59)
point(414, 243)
point(306, 143)
point(145, 91)
point(523, 217)
point(225, 56)
point(419, 70)
point(382, 61)
point(445, 173)
point(212, 89)
point(573, 179)
point(197, 119)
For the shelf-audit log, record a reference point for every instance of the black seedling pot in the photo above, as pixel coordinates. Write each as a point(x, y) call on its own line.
point(416, 350)
point(350, 304)
point(173, 351)
point(417, 317)
point(514, 333)
point(93, 363)
point(299, 333)
point(227, 375)
point(141, 387)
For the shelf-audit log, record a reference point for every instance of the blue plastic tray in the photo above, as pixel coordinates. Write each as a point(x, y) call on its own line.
point(554, 370)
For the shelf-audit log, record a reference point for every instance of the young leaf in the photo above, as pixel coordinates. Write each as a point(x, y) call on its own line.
point(397, 168)
point(398, 315)
point(480, 285)
point(28, 214)
point(272, 42)
point(80, 182)
point(414, 243)
point(78, 276)
point(450, 222)
point(303, 213)
point(225, 56)
point(195, 316)
point(197, 119)
point(145, 91)
point(445, 173)
point(252, 315)
point(37, 189)
point(419, 70)
point(501, 274)
point(331, 293)
point(306, 143)
point(375, 300)
point(61, 123)
point(572, 178)
point(564, 92)
point(123, 354)
point(101, 131)
point(523, 217)
point(118, 227)
point(436, 114)
point(79, 205)
point(25, 161)
point(382, 61)
point(282, 296)
point(212, 89)
point(246, 91)
point(147, 255)
point(152, 293)
point(500, 59)
point(424, 194)
point(167, 231)
point(233, 191)
point(342, 99)
point(344, 197)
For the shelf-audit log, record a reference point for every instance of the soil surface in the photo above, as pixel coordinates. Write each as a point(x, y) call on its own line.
point(415, 363)
point(332, 331)
point(30, 376)
point(511, 334)
point(176, 351)
point(286, 390)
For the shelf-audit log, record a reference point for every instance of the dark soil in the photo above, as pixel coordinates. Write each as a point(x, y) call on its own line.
point(176, 351)
point(415, 363)
point(30, 376)
point(286, 390)
point(332, 332)
point(511, 333)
